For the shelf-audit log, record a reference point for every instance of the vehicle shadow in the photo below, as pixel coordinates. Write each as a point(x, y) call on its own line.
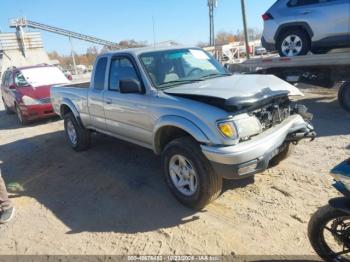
point(329, 118)
point(231, 184)
point(114, 187)
point(9, 122)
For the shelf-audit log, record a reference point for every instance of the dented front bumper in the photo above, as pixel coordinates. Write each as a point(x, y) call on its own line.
point(253, 156)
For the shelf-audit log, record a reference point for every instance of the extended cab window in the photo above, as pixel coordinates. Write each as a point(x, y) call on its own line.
point(100, 73)
point(121, 69)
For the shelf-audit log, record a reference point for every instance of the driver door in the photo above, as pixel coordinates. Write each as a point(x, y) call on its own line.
point(127, 115)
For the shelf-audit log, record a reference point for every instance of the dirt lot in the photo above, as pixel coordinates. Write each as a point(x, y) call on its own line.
point(112, 198)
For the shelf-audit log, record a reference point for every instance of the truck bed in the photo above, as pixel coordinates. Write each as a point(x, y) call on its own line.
point(75, 92)
point(78, 84)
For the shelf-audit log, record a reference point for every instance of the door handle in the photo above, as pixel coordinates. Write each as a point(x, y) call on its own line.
point(108, 101)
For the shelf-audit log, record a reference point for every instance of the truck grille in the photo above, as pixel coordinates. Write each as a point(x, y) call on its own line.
point(273, 114)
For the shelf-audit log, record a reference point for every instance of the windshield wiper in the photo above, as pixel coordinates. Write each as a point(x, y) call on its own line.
point(175, 82)
point(215, 75)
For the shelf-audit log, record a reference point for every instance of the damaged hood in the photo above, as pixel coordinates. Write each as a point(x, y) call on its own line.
point(237, 90)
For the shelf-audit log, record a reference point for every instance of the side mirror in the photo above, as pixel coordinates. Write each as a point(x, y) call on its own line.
point(12, 87)
point(128, 86)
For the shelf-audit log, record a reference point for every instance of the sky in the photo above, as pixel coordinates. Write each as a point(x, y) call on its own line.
point(183, 21)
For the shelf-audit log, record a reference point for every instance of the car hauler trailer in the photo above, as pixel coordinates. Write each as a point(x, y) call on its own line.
point(323, 70)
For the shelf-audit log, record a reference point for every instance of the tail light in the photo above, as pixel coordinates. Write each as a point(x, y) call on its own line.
point(267, 16)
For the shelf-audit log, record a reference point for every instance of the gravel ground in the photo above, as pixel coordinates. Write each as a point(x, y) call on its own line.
point(112, 199)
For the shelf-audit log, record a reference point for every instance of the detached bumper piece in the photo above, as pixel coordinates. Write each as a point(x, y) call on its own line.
point(306, 133)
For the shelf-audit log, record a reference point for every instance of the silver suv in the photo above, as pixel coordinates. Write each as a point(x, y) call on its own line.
point(295, 27)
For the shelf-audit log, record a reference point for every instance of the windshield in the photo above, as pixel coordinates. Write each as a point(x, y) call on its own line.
point(175, 67)
point(40, 76)
point(20, 80)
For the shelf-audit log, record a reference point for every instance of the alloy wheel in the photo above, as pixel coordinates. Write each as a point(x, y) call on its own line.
point(183, 175)
point(292, 45)
point(72, 133)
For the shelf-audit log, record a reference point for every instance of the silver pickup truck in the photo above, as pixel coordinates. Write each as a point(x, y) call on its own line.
point(205, 123)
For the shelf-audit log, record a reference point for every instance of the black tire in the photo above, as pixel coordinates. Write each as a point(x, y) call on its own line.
point(22, 120)
point(315, 230)
point(82, 134)
point(7, 109)
point(304, 37)
point(282, 155)
point(344, 96)
point(209, 183)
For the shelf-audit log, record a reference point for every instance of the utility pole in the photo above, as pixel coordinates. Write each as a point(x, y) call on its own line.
point(212, 4)
point(245, 29)
point(73, 57)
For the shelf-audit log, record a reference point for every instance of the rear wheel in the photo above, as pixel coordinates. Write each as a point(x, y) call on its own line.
point(344, 96)
point(293, 42)
point(189, 174)
point(77, 136)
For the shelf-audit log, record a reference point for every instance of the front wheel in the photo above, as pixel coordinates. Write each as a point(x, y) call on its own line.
point(77, 136)
point(329, 234)
point(22, 120)
point(189, 174)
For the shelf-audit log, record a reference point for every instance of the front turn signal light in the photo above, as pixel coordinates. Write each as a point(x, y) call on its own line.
point(228, 129)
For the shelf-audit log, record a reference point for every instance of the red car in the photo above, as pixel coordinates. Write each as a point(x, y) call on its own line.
point(26, 91)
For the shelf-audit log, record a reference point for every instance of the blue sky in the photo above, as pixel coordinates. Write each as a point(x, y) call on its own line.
point(184, 21)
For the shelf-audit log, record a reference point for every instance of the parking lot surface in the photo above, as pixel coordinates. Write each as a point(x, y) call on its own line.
point(112, 198)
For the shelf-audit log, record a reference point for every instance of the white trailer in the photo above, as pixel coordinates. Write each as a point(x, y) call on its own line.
point(323, 70)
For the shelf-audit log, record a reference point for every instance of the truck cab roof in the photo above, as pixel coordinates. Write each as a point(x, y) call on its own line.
point(140, 50)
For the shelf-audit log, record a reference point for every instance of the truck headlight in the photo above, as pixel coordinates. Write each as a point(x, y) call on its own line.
point(228, 129)
point(28, 101)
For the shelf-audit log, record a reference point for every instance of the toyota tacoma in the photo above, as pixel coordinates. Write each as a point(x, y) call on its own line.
point(207, 124)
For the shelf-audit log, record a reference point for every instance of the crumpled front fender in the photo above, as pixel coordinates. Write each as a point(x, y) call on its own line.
point(181, 123)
